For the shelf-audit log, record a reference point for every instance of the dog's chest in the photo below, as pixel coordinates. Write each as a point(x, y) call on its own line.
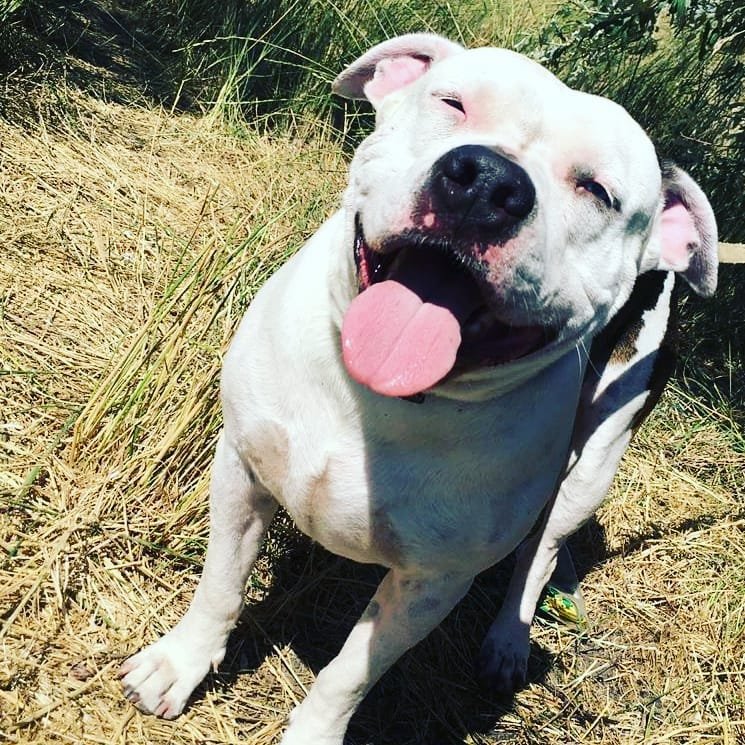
point(440, 483)
point(379, 479)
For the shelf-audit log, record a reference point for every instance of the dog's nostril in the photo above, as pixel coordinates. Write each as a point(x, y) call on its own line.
point(516, 199)
point(463, 171)
point(501, 196)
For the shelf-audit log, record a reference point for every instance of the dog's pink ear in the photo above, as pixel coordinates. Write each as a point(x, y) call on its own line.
point(392, 65)
point(688, 231)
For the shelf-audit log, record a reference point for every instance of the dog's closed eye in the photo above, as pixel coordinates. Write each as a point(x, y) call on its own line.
point(454, 103)
point(597, 190)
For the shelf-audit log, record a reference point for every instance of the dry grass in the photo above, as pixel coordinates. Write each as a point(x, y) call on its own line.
point(132, 240)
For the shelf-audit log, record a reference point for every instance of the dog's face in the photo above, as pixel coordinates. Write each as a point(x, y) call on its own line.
point(495, 213)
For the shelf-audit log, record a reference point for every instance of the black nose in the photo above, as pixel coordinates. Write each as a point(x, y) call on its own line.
point(480, 193)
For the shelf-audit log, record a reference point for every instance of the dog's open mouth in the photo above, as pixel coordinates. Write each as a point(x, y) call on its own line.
point(424, 311)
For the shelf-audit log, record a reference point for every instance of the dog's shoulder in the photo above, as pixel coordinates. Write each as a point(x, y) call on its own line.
point(632, 358)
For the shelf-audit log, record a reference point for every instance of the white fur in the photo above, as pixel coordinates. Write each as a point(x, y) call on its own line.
point(437, 492)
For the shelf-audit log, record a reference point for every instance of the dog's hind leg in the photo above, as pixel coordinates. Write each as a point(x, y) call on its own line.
point(405, 608)
point(161, 677)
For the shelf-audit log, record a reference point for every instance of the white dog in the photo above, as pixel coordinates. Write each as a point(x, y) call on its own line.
point(458, 356)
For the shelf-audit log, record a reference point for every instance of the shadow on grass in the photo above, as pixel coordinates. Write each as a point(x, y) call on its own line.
point(106, 49)
point(429, 697)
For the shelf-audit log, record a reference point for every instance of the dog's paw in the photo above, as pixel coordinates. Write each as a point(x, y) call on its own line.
point(310, 722)
point(502, 665)
point(159, 679)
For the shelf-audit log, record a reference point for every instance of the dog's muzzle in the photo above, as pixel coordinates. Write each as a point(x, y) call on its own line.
point(426, 309)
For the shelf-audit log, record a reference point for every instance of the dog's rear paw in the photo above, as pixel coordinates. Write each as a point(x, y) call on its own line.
point(159, 679)
point(502, 665)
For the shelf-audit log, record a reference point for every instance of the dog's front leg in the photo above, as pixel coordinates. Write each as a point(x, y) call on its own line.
point(405, 608)
point(504, 654)
point(160, 678)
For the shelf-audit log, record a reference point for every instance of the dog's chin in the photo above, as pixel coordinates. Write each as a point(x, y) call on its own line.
point(442, 274)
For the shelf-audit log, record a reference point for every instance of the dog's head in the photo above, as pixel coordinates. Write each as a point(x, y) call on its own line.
point(496, 214)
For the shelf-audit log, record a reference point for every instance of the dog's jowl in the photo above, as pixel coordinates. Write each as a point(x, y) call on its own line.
point(450, 368)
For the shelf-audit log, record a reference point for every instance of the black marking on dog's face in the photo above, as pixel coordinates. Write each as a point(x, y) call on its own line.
point(638, 223)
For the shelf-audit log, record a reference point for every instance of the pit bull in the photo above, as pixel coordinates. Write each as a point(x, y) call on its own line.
point(450, 368)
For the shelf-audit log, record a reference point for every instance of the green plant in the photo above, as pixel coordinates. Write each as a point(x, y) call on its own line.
point(8, 8)
point(678, 67)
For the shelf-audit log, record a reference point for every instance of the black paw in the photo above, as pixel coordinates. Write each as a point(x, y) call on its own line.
point(502, 669)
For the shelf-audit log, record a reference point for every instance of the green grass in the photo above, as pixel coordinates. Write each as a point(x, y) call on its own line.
point(274, 61)
point(9, 8)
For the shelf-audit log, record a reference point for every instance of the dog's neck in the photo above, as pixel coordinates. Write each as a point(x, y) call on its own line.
point(491, 382)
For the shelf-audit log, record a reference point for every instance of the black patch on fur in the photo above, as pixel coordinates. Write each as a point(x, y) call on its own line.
point(617, 341)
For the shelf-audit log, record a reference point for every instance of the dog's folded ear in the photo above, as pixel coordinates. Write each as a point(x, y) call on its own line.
point(392, 65)
point(686, 231)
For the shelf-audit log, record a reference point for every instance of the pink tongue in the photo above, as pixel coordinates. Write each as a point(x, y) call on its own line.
point(395, 343)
